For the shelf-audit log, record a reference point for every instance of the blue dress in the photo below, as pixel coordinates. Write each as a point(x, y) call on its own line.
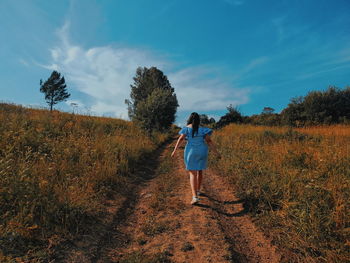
point(196, 150)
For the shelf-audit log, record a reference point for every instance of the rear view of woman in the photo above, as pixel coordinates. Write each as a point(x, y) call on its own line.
point(196, 151)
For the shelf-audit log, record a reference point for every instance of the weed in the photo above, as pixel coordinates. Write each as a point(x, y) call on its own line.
point(295, 182)
point(56, 171)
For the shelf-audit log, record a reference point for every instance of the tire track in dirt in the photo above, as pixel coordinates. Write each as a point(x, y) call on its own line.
point(104, 235)
point(191, 234)
point(247, 242)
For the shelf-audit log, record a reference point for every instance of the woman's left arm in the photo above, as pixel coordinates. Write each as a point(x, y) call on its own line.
point(212, 145)
point(179, 140)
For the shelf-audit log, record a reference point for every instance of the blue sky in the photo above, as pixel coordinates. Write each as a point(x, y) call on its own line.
point(247, 53)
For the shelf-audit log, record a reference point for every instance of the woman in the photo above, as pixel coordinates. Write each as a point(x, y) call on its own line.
point(196, 151)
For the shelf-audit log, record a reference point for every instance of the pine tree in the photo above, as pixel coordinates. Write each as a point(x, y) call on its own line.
point(54, 89)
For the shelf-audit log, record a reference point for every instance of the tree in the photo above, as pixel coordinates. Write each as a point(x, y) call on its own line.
point(54, 89)
point(204, 119)
point(153, 102)
point(268, 110)
point(319, 107)
point(232, 116)
point(293, 114)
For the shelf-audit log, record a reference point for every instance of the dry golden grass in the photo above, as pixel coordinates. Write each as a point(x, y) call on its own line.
point(56, 171)
point(296, 184)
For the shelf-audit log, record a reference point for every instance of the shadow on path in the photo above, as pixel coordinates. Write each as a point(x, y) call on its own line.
point(145, 171)
point(221, 212)
point(220, 206)
point(104, 234)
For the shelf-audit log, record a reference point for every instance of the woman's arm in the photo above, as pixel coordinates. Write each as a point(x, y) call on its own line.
point(211, 144)
point(181, 138)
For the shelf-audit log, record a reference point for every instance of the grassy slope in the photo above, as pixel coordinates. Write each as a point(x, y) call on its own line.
point(56, 171)
point(296, 184)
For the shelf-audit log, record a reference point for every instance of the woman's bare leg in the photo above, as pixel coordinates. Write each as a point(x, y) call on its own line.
point(193, 181)
point(199, 179)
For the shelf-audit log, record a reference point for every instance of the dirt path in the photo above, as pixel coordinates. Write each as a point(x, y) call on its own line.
point(162, 226)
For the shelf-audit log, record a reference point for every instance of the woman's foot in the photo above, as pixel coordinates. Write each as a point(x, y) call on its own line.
point(195, 200)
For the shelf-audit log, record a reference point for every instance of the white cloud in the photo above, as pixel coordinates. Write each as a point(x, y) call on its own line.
point(106, 72)
point(197, 91)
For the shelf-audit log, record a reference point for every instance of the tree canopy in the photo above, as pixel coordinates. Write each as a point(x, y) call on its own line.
point(329, 106)
point(153, 102)
point(232, 116)
point(54, 89)
point(319, 107)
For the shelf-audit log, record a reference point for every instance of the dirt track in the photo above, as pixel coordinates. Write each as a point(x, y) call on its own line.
point(162, 223)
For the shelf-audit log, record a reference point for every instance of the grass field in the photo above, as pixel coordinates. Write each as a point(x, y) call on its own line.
point(56, 171)
point(296, 184)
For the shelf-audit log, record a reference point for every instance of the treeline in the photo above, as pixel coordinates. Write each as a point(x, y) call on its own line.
point(152, 104)
point(331, 106)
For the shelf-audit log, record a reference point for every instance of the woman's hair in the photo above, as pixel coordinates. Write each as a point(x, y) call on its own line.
point(194, 120)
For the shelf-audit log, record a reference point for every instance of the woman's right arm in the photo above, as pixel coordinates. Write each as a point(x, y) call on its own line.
point(181, 138)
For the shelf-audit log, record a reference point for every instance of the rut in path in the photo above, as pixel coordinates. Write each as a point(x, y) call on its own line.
point(162, 225)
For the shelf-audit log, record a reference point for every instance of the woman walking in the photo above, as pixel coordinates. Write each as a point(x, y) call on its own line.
point(196, 152)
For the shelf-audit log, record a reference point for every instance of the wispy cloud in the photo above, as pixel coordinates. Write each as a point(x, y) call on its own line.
point(287, 29)
point(279, 25)
point(326, 70)
point(305, 51)
point(253, 64)
point(106, 72)
point(199, 91)
point(23, 62)
point(325, 62)
point(234, 2)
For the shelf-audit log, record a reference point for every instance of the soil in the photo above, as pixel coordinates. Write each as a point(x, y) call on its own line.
point(217, 229)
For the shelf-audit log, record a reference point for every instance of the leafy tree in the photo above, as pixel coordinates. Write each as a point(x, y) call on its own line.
point(232, 116)
point(153, 102)
point(267, 119)
point(268, 110)
point(293, 114)
point(212, 120)
point(204, 119)
point(319, 107)
point(54, 89)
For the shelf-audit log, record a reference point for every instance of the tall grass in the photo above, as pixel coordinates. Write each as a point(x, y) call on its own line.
point(296, 184)
point(56, 171)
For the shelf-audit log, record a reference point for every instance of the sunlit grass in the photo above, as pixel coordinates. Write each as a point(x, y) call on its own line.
point(296, 183)
point(56, 170)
